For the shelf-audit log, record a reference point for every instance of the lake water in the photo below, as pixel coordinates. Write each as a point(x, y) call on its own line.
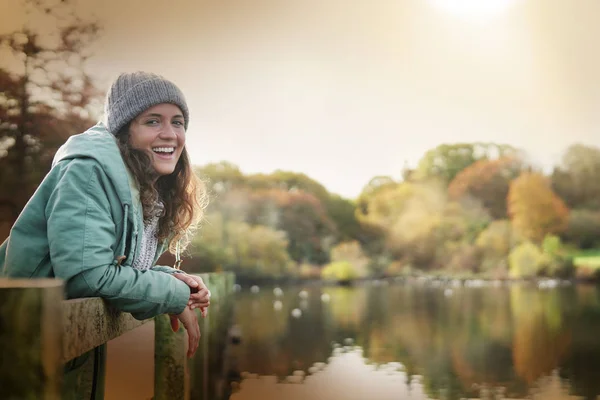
point(424, 340)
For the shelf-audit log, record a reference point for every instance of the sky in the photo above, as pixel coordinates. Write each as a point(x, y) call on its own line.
point(345, 90)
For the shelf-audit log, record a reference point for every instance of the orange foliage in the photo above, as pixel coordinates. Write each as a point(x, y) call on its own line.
point(535, 210)
point(488, 181)
point(536, 350)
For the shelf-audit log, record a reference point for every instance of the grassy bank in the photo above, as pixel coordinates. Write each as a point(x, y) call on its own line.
point(587, 259)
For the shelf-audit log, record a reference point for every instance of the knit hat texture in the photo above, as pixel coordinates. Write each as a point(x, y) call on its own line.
point(134, 92)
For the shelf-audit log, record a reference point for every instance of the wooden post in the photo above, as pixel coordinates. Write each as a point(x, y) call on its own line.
point(206, 366)
point(171, 376)
point(30, 338)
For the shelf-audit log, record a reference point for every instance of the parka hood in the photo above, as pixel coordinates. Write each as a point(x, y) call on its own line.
point(98, 143)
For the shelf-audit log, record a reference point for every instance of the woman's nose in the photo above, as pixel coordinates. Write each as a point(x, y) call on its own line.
point(168, 132)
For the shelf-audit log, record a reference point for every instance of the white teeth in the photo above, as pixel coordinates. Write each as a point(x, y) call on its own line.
point(163, 149)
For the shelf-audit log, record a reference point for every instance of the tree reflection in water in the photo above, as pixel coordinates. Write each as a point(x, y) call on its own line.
point(416, 342)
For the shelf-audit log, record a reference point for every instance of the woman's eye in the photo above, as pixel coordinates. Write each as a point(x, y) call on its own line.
point(179, 123)
point(152, 122)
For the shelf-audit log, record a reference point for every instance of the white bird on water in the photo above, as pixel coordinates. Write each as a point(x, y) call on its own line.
point(296, 313)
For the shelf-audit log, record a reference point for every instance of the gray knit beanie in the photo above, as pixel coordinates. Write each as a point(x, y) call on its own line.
point(132, 93)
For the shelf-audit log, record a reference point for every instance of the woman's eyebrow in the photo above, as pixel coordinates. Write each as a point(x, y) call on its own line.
point(161, 116)
point(153, 115)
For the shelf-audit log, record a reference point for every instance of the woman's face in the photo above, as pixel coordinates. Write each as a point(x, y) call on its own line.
point(160, 132)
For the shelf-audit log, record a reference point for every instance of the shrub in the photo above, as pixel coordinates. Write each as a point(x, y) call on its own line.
point(339, 271)
point(352, 253)
point(526, 261)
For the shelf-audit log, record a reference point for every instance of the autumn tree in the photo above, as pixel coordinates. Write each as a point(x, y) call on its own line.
point(495, 244)
point(46, 96)
point(534, 209)
point(419, 224)
point(372, 206)
point(301, 215)
point(487, 181)
point(445, 161)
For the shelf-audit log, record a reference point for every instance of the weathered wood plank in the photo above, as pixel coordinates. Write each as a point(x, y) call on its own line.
point(30, 338)
point(171, 376)
point(90, 322)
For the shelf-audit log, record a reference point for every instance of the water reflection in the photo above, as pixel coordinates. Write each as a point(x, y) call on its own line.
point(418, 342)
point(346, 376)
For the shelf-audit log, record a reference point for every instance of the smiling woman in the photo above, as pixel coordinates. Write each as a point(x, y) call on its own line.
point(473, 8)
point(117, 197)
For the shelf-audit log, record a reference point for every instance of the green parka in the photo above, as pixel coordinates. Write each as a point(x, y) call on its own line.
point(85, 215)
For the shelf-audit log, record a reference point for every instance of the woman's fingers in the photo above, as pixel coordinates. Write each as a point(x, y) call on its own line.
point(174, 323)
point(199, 281)
point(201, 294)
point(188, 279)
point(200, 299)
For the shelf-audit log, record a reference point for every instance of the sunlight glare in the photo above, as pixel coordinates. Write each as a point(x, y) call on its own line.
point(476, 9)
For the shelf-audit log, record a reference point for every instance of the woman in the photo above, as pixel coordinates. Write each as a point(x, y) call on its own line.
point(116, 198)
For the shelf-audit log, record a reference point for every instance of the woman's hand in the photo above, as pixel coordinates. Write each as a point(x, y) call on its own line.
point(190, 323)
point(200, 296)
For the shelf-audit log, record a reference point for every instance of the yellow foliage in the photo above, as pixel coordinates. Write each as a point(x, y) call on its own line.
point(340, 271)
point(526, 260)
point(351, 252)
point(496, 238)
point(495, 243)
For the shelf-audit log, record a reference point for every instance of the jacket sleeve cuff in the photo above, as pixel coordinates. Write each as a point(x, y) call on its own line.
point(167, 270)
point(180, 298)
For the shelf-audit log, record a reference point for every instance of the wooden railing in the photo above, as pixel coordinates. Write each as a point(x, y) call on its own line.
point(40, 333)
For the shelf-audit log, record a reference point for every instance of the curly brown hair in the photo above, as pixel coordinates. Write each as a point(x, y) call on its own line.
point(182, 193)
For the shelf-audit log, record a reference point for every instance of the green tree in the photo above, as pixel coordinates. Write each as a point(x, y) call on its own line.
point(289, 181)
point(576, 179)
point(583, 229)
point(249, 250)
point(221, 176)
point(445, 161)
point(342, 213)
